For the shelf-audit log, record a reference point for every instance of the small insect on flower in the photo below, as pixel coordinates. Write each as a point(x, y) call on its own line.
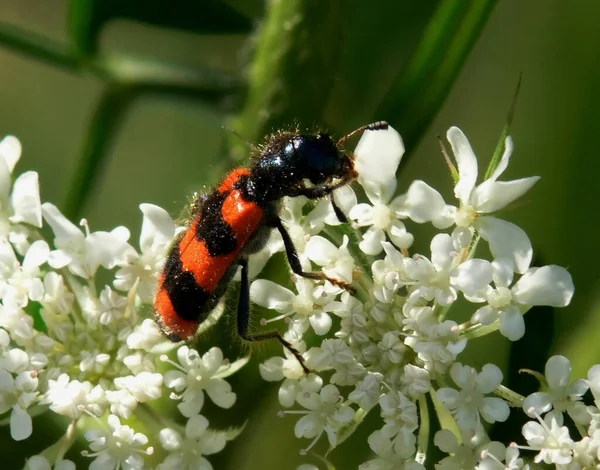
point(234, 221)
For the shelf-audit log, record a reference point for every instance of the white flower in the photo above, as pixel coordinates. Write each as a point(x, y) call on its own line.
point(39, 462)
point(506, 240)
point(57, 298)
point(367, 392)
point(277, 368)
point(437, 344)
point(17, 394)
point(122, 402)
point(377, 157)
point(83, 252)
point(146, 336)
point(187, 453)
point(551, 439)
point(387, 458)
point(196, 374)
point(119, 447)
point(416, 381)
point(562, 396)
point(144, 386)
point(401, 420)
point(337, 263)
point(467, 405)
point(305, 306)
point(325, 413)
point(158, 230)
point(594, 382)
point(19, 283)
point(445, 275)
point(548, 285)
point(112, 306)
point(470, 454)
point(17, 323)
point(22, 204)
point(72, 397)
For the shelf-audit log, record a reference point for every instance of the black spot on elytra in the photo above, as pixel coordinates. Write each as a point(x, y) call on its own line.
point(212, 229)
point(187, 297)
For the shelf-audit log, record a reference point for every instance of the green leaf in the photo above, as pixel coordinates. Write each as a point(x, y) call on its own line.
point(33, 309)
point(499, 151)
point(423, 84)
point(88, 17)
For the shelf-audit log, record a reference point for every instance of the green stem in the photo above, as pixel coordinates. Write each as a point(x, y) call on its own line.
point(150, 76)
point(37, 47)
point(143, 74)
point(468, 331)
point(293, 69)
point(514, 399)
point(106, 119)
point(424, 431)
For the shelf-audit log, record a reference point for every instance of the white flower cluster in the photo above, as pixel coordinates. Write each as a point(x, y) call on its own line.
point(382, 348)
point(81, 349)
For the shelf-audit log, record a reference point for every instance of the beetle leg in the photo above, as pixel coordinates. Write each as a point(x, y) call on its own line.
point(243, 318)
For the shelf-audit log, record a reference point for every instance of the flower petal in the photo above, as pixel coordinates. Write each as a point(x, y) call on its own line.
point(494, 410)
point(321, 323)
point(371, 241)
point(376, 158)
point(491, 196)
point(467, 164)
point(271, 295)
point(512, 324)
point(362, 213)
point(471, 276)
point(422, 204)
point(549, 285)
point(21, 426)
point(538, 402)
point(158, 228)
point(320, 250)
point(25, 199)
point(507, 241)
point(558, 371)
point(10, 151)
point(38, 254)
point(64, 230)
point(442, 251)
point(489, 378)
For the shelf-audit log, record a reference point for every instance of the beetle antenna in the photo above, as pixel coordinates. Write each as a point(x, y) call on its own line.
point(241, 137)
point(374, 126)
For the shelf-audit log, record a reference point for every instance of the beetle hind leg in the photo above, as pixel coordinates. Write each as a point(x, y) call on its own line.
point(243, 318)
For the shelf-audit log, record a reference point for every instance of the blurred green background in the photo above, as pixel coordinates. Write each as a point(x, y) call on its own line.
point(350, 64)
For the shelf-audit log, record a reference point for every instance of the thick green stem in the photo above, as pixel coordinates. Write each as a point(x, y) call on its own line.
point(293, 68)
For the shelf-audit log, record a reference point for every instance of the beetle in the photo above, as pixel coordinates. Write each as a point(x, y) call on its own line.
point(233, 221)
